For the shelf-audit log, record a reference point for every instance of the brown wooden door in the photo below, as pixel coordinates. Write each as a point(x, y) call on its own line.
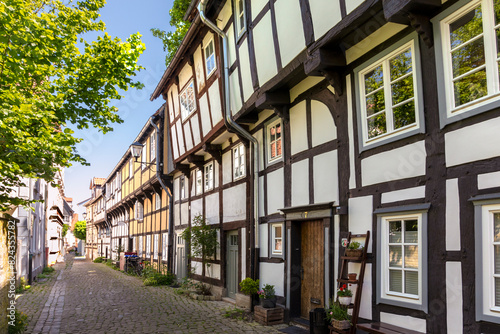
point(312, 267)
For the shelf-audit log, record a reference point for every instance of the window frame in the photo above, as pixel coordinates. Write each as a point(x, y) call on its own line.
point(182, 188)
point(272, 237)
point(240, 31)
point(484, 205)
point(140, 247)
point(157, 201)
point(152, 146)
point(199, 182)
point(384, 216)
point(209, 73)
point(164, 247)
point(241, 161)
point(184, 115)
point(155, 246)
point(269, 143)
point(144, 156)
point(131, 168)
point(139, 210)
point(208, 177)
point(148, 246)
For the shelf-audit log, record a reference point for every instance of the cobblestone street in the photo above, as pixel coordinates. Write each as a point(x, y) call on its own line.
point(86, 297)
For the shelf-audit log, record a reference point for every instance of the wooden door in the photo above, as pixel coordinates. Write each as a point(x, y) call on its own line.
point(181, 258)
point(312, 267)
point(232, 264)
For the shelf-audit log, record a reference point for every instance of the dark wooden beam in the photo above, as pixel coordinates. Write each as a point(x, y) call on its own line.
point(423, 26)
point(397, 10)
point(268, 100)
point(184, 169)
point(321, 59)
point(197, 160)
point(215, 151)
point(334, 79)
point(250, 118)
point(282, 112)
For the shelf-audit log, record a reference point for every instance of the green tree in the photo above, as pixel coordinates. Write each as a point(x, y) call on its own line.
point(202, 239)
point(48, 83)
point(172, 39)
point(65, 230)
point(80, 230)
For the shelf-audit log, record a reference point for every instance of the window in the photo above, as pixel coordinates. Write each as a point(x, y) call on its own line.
point(210, 57)
point(157, 201)
point(155, 252)
point(199, 182)
point(131, 168)
point(402, 249)
point(188, 101)
point(152, 140)
point(134, 244)
point(144, 157)
point(139, 251)
point(139, 210)
point(148, 246)
point(239, 162)
point(388, 91)
point(164, 245)
point(276, 239)
point(182, 188)
point(469, 53)
point(274, 139)
point(240, 17)
point(209, 176)
point(487, 242)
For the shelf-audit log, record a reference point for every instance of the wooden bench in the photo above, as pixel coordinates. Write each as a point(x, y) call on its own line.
point(383, 328)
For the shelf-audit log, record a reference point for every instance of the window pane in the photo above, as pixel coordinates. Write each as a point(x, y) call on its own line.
point(395, 256)
point(273, 150)
point(278, 131)
point(277, 244)
point(466, 27)
point(411, 231)
point(497, 11)
point(496, 224)
point(404, 115)
point(277, 232)
point(402, 90)
point(374, 80)
point(273, 133)
point(395, 281)
point(468, 57)
point(375, 103)
point(401, 65)
point(497, 291)
point(395, 231)
point(411, 282)
point(377, 125)
point(278, 148)
point(411, 257)
point(470, 88)
point(497, 259)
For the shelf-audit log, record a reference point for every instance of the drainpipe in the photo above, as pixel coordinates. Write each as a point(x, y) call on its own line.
point(169, 194)
point(231, 124)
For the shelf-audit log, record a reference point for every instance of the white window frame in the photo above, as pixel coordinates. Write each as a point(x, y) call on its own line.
point(157, 201)
point(208, 176)
point(389, 116)
point(155, 247)
point(199, 182)
point(144, 156)
point(164, 246)
point(148, 246)
point(131, 168)
point(273, 252)
point(269, 143)
point(210, 58)
point(139, 210)
point(139, 250)
point(238, 13)
point(238, 162)
point(152, 146)
point(444, 54)
point(134, 244)
point(182, 187)
point(183, 96)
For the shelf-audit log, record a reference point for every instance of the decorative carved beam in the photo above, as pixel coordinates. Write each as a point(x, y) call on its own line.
point(215, 151)
point(321, 59)
point(197, 160)
point(282, 112)
point(184, 169)
point(423, 26)
point(248, 119)
point(334, 79)
point(397, 10)
point(269, 100)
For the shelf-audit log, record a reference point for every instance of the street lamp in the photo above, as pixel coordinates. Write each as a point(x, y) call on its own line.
point(136, 150)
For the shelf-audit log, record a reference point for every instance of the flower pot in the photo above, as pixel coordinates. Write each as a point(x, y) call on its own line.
point(345, 300)
point(268, 303)
point(352, 277)
point(354, 252)
point(341, 324)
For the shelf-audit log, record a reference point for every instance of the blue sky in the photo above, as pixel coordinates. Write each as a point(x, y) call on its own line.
point(122, 18)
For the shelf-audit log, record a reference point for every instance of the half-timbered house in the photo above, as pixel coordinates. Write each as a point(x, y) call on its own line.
point(377, 116)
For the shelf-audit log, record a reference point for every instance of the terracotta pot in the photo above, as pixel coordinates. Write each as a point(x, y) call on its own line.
point(352, 277)
point(345, 300)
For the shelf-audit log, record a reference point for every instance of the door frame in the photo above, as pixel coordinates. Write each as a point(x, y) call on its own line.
point(228, 235)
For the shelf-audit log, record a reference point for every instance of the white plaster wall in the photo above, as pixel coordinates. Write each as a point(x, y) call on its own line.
point(489, 180)
point(187, 136)
point(264, 50)
point(473, 143)
point(215, 103)
point(235, 92)
point(185, 75)
point(213, 271)
point(289, 23)
point(352, 4)
point(261, 196)
point(170, 105)
point(360, 216)
point(205, 115)
point(216, 174)
point(196, 208)
point(350, 129)
point(325, 174)
point(176, 190)
point(325, 15)
point(235, 201)
point(454, 300)
point(404, 194)
point(401, 163)
point(175, 150)
point(275, 191)
point(212, 208)
point(257, 6)
point(231, 44)
point(182, 146)
point(273, 273)
point(175, 99)
point(298, 128)
point(195, 124)
point(197, 266)
point(365, 309)
point(304, 85)
point(259, 135)
point(323, 126)
point(184, 213)
point(404, 321)
point(246, 76)
point(227, 175)
point(452, 215)
point(199, 68)
point(264, 240)
point(224, 15)
point(300, 183)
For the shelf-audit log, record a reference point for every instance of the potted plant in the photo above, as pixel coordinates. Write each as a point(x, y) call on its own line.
point(267, 296)
point(344, 295)
point(337, 315)
point(354, 249)
point(250, 288)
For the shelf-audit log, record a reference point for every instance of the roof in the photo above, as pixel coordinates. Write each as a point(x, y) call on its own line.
point(97, 181)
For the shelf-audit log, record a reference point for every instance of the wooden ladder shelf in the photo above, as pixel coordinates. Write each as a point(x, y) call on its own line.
point(343, 279)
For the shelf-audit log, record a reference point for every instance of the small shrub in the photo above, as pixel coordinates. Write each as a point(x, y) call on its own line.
point(249, 286)
point(20, 323)
point(99, 259)
point(159, 279)
point(48, 270)
point(42, 276)
point(150, 281)
point(22, 286)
